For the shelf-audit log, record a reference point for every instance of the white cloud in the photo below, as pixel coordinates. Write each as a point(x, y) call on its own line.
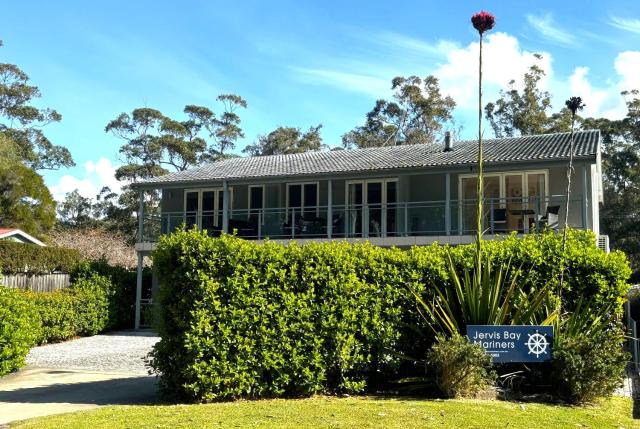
point(96, 175)
point(407, 44)
point(627, 24)
point(627, 65)
point(595, 99)
point(456, 66)
point(605, 100)
point(546, 26)
point(372, 86)
point(503, 60)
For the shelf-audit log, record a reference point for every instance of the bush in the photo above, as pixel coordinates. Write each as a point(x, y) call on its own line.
point(82, 309)
point(57, 315)
point(91, 296)
point(244, 319)
point(250, 320)
point(588, 367)
point(123, 297)
point(19, 329)
point(18, 258)
point(462, 369)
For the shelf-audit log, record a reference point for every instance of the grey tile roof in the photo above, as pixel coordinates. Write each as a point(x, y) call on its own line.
point(526, 148)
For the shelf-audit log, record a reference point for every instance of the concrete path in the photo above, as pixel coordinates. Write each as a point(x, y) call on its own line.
point(78, 375)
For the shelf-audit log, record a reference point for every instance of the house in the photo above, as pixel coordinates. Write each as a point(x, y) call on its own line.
point(391, 196)
point(19, 236)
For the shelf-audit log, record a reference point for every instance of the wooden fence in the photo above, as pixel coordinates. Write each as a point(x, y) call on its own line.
point(36, 282)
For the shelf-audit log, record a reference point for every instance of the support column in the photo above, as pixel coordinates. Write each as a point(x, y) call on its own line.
point(329, 208)
point(141, 216)
point(447, 207)
point(225, 206)
point(138, 290)
point(585, 198)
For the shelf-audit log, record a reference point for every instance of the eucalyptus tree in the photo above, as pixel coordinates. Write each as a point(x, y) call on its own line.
point(22, 122)
point(286, 140)
point(527, 111)
point(418, 114)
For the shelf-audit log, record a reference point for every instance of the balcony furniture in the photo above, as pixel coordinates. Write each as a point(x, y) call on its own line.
point(244, 228)
point(550, 219)
point(526, 214)
point(499, 221)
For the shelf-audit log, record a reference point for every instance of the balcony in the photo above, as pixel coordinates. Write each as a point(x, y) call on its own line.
point(391, 224)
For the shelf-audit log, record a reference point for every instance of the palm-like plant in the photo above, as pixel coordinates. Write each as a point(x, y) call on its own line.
point(492, 298)
point(482, 22)
point(574, 104)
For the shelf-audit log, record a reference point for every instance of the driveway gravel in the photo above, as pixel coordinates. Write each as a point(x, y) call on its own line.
point(122, 351)
point(80, 374)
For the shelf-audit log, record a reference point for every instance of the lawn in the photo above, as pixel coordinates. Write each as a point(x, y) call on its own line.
point(357, 412)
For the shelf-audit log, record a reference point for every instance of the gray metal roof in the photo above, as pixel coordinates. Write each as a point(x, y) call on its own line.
point(526, 148)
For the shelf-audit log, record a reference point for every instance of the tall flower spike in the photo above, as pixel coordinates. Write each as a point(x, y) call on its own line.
point(483, 21)
point(574, 104)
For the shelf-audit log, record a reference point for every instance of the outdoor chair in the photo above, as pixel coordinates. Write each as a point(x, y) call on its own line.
point(499, 220)
point(550, 219)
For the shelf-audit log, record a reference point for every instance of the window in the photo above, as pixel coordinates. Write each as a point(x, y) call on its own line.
point(519, 196)
point(203, 207)
point(303, 198)
point(256, 201)
point(379, 197)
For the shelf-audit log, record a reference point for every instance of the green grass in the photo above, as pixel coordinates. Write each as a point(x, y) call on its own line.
point(360, 412)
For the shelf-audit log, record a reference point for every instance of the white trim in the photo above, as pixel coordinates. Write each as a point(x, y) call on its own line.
point(524, 174)
point(216, 207)
point(23, 234)
point(365, 202)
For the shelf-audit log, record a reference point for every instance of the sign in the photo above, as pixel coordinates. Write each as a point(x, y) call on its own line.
point(513, 343)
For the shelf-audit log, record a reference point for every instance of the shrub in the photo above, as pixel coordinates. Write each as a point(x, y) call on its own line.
point(19, 329)
point(244, 319)
point(57, 314)
point(82, 309)
point(123, 297)
point(588, 367)
point(251, 320)
point(91, 297)
point(18, 258)
point(462, 369)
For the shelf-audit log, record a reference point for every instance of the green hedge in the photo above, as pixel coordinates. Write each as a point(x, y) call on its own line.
point(21, 258)
point(243, 319)
point(19, 329)
point(81, 310)
point(123, 297)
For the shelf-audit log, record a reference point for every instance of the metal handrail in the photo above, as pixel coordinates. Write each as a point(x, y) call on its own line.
point(358, 220)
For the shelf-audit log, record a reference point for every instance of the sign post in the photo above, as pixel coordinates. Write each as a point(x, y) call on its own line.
point(513, 343)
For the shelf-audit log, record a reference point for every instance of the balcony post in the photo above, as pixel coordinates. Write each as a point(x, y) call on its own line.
point(225, 207)
point(406, 220)
point(138, 290)
point(140, 216)
point(447, 206)
point(329, 208)
point(585, 198)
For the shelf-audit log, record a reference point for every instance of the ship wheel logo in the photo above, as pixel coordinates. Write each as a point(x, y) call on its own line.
point(537, 344)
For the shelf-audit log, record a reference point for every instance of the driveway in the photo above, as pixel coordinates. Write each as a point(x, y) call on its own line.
point(80, 374)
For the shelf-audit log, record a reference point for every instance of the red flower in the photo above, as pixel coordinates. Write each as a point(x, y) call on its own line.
point(483, 21)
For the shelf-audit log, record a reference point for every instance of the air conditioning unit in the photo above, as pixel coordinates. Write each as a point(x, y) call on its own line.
point(603, 243)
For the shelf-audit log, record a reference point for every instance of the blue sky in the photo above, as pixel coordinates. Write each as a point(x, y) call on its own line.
point(298, 63)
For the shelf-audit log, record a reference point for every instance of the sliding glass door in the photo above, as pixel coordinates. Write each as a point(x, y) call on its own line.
point(513, 200)
point(203, 208)
point(371, 207)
